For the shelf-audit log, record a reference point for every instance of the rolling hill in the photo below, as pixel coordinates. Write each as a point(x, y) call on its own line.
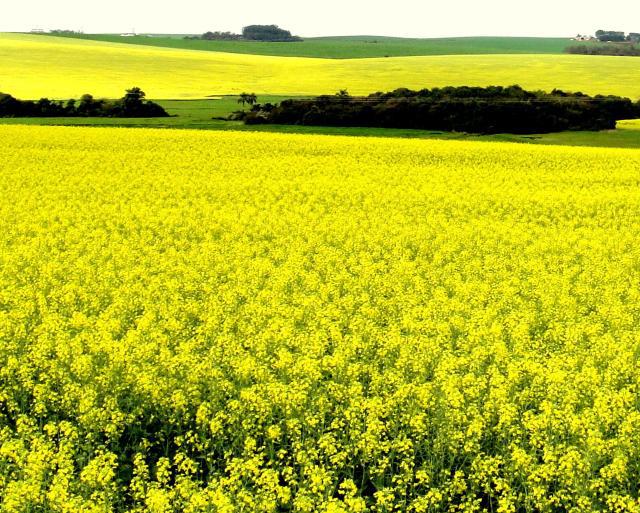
point(353, 47)
point(32, 66)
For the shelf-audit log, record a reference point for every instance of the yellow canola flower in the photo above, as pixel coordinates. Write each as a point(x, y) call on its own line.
point(220, 322)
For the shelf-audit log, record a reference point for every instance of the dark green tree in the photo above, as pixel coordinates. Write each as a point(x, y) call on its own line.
point(133, 97)
point(267, 33)
point(247, 99)
point(611, 36)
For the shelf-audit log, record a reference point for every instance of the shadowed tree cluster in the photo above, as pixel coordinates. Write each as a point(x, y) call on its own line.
point(487, 110)
point(266, 33)
point(131, 105)
point(247, 99)
point(613, 36)
point(620, 50)
point(217, 36)
point(610, 36)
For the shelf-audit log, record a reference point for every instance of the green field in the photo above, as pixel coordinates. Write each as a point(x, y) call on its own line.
point(353, 47)
point(184, 114)
point(202, 114)
point(35, 66)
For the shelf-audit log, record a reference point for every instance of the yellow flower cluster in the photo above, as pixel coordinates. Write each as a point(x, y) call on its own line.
point(240, 322)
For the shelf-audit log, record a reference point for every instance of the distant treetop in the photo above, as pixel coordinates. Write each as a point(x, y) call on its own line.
point(613, 36)
point(66, 32)
point(267, 33)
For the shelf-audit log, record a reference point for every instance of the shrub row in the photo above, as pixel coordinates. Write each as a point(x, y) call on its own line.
point(131, 105)
point(488, 110)
point(264, 33)
point(622, 50)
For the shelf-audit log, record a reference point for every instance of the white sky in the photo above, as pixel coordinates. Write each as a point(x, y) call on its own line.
point(412, 18)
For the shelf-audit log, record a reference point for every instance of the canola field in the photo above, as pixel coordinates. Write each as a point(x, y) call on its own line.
point(242, 322)
point(34, 66)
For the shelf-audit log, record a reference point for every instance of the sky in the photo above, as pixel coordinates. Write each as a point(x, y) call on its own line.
point(407, 18)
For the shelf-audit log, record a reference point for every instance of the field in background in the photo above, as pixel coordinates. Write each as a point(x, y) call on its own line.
point(351, 47)
point(205, 321)
point(198, 114)
point(33, 66)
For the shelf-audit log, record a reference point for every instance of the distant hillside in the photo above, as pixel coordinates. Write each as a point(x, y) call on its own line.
point(352, 47)
point(32, 66)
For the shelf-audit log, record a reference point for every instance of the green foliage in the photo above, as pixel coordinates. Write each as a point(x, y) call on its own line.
point(264, 33)
point(131, 105)
point(216, 36)
point(247, 99)
point(619, 49)
point(487, 110)
point(65, 32)
point(271, 33)
point(610, 36)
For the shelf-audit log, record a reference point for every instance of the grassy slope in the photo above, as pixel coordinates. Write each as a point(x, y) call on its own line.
point(35, 66)
point(199, 113)
point(351, 47)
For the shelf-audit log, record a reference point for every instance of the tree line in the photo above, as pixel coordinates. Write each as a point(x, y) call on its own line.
point(488, 110)
point(66, 32)
point(613, 42)
point(267, 33)
point(616, 50)
point(131, 105)
point(217, 36)
point(614, 36)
